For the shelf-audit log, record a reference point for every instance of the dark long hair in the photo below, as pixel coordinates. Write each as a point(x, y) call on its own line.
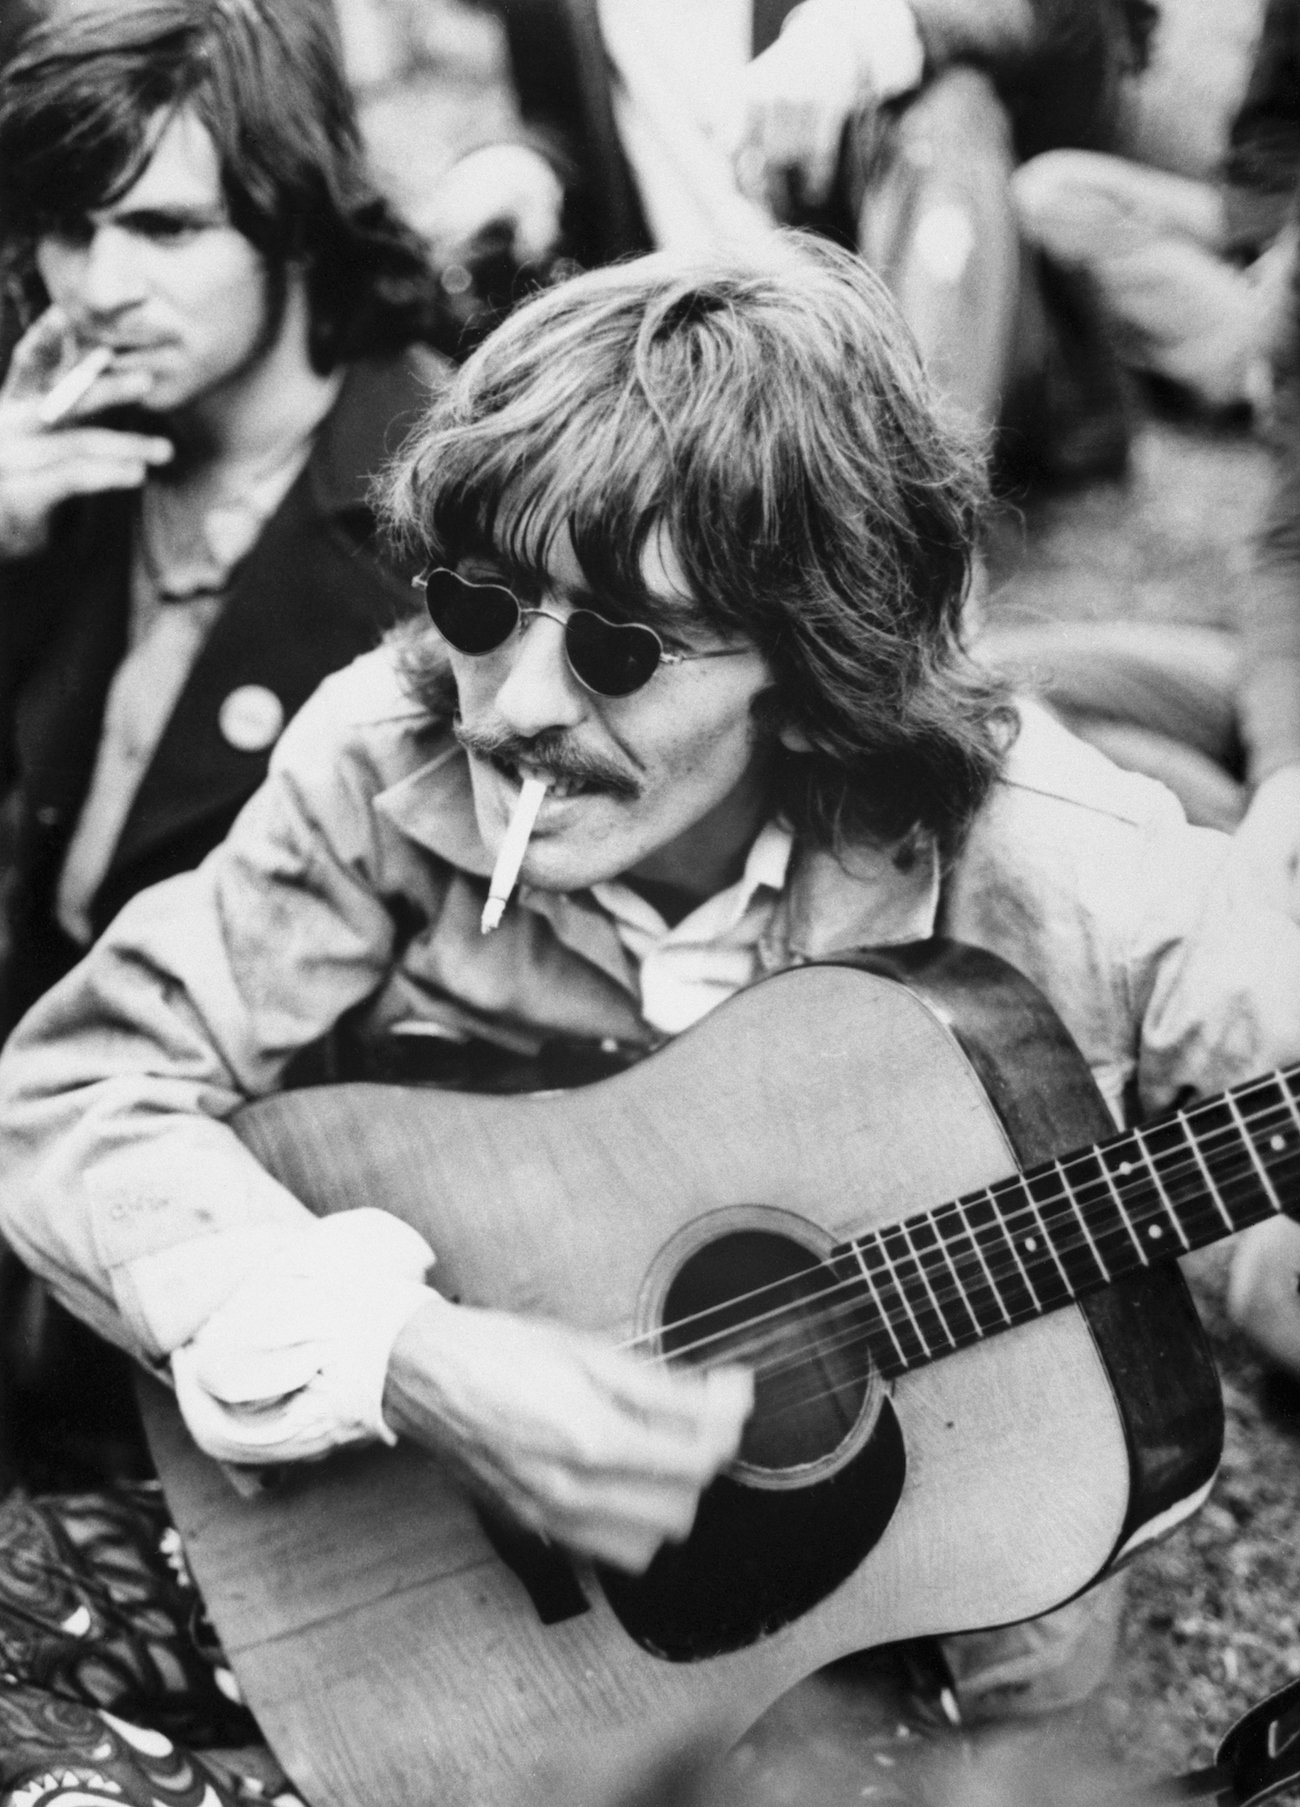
point(777, 423)
point(82, 95)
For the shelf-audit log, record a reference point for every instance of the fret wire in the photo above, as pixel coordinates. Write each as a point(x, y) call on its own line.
point(915, 1307)
point(999, 1228)
point(1182, 1181)
point(1249, 1140)
point(1227, 1151)
point(1284, 1080)
point(958, 1207)
point(884, 1316)
point(932, 1254)
point(1122, 1210)
point(1048, 1242)
point(1080, 1215)
point(1192, 1143)
point(939, 1267)
point(964, 1263)
point(1175, 1222)
point(907, 1322)
point(1114, 1231)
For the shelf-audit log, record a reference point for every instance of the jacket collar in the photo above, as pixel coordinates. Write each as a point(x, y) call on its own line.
point(863, 897)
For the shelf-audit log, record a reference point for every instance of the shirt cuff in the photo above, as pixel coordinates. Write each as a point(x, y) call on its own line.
point(882, 37)
point(294, 1363)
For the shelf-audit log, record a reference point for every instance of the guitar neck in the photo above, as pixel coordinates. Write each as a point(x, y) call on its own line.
point(943, 1280)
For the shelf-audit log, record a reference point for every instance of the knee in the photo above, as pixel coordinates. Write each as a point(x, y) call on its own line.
point(1264, 1291)
point(1064, 198)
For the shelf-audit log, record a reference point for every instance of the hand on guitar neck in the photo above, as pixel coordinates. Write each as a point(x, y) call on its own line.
point(582, 1442)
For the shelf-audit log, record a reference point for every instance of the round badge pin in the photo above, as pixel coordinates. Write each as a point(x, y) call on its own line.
point(251, 718)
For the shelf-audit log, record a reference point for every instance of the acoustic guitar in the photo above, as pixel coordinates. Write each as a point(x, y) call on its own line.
point(980, 1380)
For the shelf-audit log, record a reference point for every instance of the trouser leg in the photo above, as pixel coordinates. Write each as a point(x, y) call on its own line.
point(1154, 243)
point(931, 198)
point(112, 1685)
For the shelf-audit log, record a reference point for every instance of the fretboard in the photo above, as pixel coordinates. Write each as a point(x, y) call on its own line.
point(992, 1259)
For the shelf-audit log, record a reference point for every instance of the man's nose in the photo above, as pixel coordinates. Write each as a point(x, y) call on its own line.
point(539, 691)
point(110, 276)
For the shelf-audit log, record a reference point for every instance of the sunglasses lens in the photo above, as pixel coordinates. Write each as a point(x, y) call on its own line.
point(612, 658)
point(474, 618)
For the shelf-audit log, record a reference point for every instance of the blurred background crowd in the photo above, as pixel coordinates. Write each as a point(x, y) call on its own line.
point(1087, 212)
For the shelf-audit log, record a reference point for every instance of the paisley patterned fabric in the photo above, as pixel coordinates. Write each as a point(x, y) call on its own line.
point(113, 1689)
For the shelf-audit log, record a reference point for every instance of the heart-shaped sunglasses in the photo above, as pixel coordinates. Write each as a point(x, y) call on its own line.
point(609, 658)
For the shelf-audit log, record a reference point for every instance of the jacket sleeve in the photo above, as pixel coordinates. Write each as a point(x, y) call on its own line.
point(1270, 678)
point(1213, 972)
point(120, 1181)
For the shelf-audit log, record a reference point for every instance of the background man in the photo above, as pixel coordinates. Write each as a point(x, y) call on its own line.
point(769, 743)
point(189, 551)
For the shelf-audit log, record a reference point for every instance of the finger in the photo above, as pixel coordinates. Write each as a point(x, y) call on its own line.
point(103, 444)
point(88, 476)
point(681, 1396)
point(40, 356)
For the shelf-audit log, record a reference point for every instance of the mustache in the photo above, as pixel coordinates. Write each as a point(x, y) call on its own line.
point(552, 751)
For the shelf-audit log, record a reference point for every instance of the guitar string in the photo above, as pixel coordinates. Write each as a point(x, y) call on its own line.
point(1028, 1219)
point(816, 1352)
point(1017, 1222)
point(731, 1340)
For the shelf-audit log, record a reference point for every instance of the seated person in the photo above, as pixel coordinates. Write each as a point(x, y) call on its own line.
point(894, 127)
point(735, 656)
point(1193, 274)
point(186, 544)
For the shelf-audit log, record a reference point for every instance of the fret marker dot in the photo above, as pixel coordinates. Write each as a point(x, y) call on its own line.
point(1124, 1169)
point(1155, 1232)
point(1277, 1143)
point(1030, 1244)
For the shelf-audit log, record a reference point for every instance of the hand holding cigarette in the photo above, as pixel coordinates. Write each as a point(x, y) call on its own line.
point(51, 448)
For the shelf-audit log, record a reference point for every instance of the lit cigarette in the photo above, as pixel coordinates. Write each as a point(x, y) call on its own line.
point(70, 388)
point(511, 856)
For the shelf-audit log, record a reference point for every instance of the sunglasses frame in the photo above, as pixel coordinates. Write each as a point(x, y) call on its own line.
point(663, 657)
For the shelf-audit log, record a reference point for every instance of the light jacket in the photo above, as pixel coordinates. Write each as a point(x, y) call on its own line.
point(353, 883)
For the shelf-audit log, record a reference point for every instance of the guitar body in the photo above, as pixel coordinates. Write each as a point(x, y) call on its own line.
point(398, 1647)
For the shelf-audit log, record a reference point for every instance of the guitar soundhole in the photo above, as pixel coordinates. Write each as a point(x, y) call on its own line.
point(767, 1302)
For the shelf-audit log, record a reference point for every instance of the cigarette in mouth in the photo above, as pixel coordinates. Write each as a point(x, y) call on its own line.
point(70, 388)
point(511, 856)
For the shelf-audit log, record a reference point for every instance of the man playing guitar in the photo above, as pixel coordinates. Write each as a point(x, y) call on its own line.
point(696, 543)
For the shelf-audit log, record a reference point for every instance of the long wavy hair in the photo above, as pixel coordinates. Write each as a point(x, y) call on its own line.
point(776, 422)
point(88, 84)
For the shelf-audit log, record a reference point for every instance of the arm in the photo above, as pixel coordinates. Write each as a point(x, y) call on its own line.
point(1268, 842)
point(124, 1186)
point(286, 1335)
point(837, 56)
